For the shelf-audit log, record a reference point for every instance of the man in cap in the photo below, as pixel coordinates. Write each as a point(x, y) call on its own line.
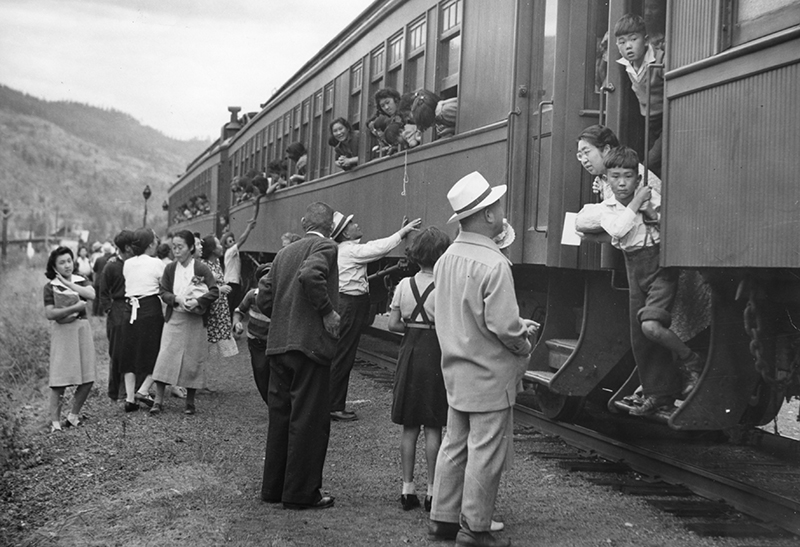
point(354, 299)
point(485, 351)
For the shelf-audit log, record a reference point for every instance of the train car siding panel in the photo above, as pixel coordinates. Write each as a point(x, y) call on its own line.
point(733, 198)
point(690, 36)
point(373, 192)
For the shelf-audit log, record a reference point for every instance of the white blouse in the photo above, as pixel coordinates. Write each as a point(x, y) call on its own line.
point(142, 275)
point(183, 277)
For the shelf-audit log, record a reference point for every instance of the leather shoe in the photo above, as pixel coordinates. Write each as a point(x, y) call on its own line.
point(190, 409)
point(428, 503)
point(442, 531)
point(468, 538)
point(323, 503)
point(157, 408)
point(653, 404)
point(144, 399)
point(131, 407)
point(409, 501)
point(342, 416)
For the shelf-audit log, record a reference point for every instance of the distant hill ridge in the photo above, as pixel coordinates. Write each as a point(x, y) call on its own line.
point(83, 167)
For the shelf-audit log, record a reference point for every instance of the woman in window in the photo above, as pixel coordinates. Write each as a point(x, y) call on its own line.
point(345, 143)
point(297, 153)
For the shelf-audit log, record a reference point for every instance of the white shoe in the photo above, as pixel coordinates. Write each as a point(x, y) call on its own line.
point(496, 526)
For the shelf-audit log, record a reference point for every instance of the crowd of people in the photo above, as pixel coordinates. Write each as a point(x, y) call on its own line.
point(464, 349)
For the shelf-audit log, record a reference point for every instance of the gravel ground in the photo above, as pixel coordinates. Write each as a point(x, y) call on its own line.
point(129, 479)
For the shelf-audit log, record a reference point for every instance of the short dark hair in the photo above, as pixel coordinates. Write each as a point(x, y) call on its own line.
point(50, 273)
point(187, 237)
point(599, 136)
point(162, 251)
point(622, 157)
point(342, 121)
point(318, 217)
point(262, 270)
point(630, 24)
point(386, 93)
point(209, 245)
point(428, 246)
point(142, 238)
point(124, 239)
point(295, 150)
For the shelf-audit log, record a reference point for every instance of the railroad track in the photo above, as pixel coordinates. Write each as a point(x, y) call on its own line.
point(757, 478)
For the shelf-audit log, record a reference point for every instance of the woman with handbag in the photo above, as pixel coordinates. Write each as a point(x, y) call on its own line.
point(188, 288)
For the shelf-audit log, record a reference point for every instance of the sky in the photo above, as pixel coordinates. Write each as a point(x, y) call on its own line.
point(175, 65)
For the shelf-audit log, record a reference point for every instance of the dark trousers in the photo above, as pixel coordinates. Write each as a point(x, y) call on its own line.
point(652, 293)
point(299, 428)
point(260, 363)
point(235, 297)
point(354, 312)
point(114, 322)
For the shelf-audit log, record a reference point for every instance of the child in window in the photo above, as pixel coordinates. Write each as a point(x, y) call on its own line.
point(419, 396)
point(632, 222)
point(636, 54)
point(297, 153)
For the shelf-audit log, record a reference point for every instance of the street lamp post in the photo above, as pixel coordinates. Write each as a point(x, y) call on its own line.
point(146, 193)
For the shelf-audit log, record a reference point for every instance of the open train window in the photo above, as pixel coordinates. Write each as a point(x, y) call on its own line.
point(752, 19)
point(376, 69)
point(415, 65)
point(306, 119)
point(313, 168)
point(327, 117)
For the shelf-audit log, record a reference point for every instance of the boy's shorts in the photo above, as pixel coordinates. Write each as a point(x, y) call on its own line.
point(652, 288)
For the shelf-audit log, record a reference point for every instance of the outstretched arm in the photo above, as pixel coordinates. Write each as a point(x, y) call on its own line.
point(250, 225)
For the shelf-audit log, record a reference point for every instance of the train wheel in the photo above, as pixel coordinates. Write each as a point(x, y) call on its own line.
point(562, 408)
point(764, 405)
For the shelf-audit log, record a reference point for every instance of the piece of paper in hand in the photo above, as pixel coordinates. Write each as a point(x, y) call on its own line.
point(569, 235)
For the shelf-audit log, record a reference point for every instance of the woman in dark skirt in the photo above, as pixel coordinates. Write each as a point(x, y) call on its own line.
point(419, 396)
point(143, 319)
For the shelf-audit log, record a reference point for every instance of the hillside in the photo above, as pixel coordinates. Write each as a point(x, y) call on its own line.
point(65, 164)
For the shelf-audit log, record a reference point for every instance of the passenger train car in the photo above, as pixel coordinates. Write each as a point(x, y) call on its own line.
point(529, 76)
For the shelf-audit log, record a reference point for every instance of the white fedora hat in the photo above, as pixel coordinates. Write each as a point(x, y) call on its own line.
point(340, 222)
point(471, 194)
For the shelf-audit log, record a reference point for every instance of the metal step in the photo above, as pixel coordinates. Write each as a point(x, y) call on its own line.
point(560, 350)
point(539, 376)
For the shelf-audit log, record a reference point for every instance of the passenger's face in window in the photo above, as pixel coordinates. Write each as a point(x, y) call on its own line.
point(632, 46)
point(592, 157)
point(623, 182)
point(389, 106)
point(339, 132)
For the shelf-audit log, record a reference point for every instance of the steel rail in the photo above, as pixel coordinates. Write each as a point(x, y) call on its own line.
point(766, 506)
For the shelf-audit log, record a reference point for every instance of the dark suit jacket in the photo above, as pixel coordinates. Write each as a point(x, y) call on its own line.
point(300, 289)
point(168, 281)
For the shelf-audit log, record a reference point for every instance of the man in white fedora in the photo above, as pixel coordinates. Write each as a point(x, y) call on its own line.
point(485, 350)
point(354, 299)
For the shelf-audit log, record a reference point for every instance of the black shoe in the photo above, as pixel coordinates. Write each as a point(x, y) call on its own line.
point(428, 503)
point(409, 501)
point(190, 410)
point(157, 408)
point(144, 399)
point(342, 416)
point(131, 407)
point(442, 531)
point(324, 503)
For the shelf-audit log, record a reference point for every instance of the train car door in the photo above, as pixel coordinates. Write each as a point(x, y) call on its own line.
point(566, 73)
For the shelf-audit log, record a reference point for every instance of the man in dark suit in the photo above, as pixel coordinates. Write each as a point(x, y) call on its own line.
point(300, 295)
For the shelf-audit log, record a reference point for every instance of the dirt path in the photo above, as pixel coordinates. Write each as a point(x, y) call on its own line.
point(195, 480)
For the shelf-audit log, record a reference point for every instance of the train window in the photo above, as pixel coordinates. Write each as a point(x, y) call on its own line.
point(306, 118)
point(449, 47)
point(313, 168)
point(756, 18)
point(296, 124)
point(415, 67)
point(327, 117)
point(550, 15)
point(356, 83)
point(393, 77)
point(287, 123)
point(376, 65)
point(376, 83)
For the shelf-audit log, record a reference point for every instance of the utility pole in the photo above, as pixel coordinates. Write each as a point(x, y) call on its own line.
point(6, 213)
